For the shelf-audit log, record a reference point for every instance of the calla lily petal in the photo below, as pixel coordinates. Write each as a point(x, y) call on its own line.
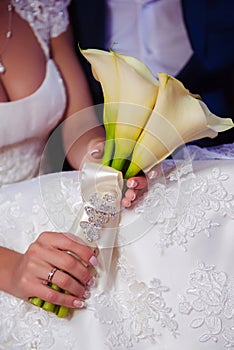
point(127, 85)
point(137, 96)
point(105, 70)
point(147, 119)
point(177, 118)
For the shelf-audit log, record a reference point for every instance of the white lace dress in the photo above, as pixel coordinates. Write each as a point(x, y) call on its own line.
point(26, 123)
point(171, 285)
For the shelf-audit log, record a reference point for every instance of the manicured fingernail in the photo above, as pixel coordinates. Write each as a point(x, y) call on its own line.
point(79, 304)
point(91, 282)
point(132, 183)
point(86, 294)
point(133, 196)
point(93, 260)
point(153, 174)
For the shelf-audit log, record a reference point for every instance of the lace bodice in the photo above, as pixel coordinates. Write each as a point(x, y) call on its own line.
point(26, 123)
point(48, 19)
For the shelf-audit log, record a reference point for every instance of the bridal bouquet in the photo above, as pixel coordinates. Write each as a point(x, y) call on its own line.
point(146, 119)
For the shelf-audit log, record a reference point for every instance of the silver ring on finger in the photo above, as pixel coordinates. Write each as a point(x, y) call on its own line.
point(51, 274)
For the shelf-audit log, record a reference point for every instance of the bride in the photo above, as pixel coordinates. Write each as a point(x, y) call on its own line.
point(168, 282)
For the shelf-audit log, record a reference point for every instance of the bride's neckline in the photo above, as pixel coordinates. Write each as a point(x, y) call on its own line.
point(33, 93)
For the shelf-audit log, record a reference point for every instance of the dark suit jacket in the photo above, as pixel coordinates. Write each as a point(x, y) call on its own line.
point(210, 71)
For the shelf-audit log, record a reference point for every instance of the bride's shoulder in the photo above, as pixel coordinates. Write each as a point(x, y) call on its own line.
point(41, 10)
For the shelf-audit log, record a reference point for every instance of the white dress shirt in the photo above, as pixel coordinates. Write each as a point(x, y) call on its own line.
point(150, 30)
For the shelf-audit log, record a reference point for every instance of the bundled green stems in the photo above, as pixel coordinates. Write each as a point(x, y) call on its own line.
point(60, 311)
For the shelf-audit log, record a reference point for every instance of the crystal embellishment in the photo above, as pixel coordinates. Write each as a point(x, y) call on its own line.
point(99, 211)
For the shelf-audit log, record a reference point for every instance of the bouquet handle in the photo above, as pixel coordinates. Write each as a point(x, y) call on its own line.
point(98, 220)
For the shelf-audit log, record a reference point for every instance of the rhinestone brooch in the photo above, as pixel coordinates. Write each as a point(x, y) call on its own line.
point(99, 211)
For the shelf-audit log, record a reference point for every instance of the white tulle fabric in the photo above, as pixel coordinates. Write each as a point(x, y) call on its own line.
point(26, 123)
point(171, 283)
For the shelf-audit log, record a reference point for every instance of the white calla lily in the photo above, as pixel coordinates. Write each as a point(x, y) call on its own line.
point(127, 86)
point(177, 118)
point(145, 118)
point(105, 70)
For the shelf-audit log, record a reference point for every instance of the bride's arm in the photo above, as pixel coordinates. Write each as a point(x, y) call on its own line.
point(81, 131)
point(8, 261)
point(25, 275)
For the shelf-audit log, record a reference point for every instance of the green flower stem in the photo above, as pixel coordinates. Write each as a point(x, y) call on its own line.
point(36, 301)
point(62, 311)
point(132, 170)
point(49, 306)
point(108, 151)
point(118, 164)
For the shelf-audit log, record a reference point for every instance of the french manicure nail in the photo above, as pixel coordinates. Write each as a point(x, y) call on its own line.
point(153, 174)
point(91, 282)
point(79, 304)
point(132, 184)
point(93, 261)
point(86, 294)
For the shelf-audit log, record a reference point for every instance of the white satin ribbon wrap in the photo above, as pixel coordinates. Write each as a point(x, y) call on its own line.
point(101, 180)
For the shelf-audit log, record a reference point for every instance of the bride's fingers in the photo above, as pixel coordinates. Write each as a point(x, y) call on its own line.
point(139, 184)
point(155, 172)
point(96, 150)
point(55, 297)
point(64, 242)
point(68, 283)
point(71, 265)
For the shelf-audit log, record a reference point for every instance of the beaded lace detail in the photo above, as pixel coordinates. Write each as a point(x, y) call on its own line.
point(26, 327)
point(210, 299)
point(135, 313)
point(20, 162)
point(47, 18)
point(180, 212)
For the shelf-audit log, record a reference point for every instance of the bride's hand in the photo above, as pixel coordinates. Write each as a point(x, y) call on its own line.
point(53, 250)
point(95, 150)
point(137, 185)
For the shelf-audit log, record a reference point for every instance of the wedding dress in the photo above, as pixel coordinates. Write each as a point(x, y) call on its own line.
point(171, 282)
point(27, 123)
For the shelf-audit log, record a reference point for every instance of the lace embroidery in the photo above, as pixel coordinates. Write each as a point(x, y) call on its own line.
point(136, 313)
point(47, 18)
point(211, 300)
point(23, 326)
point(54, 209)
point(20, 161)
point(26, 327)
point(179, 213)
